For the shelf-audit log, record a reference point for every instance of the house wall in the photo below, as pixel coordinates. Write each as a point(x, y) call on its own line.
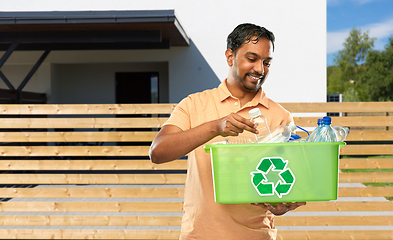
point(72, 83)
point(298, 72)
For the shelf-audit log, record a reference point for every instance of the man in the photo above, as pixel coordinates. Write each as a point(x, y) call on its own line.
point(206, 117)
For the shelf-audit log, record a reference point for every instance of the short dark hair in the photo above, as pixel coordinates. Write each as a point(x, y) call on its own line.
point(247, 32)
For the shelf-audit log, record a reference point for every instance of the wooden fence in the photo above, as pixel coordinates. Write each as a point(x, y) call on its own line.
point(82, 171)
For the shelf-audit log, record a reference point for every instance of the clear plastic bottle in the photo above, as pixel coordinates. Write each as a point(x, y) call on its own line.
point(341, 132)
point(294, 137)
point(261, 124)
point(315, 133)
point(326, 132)
point(297, 138)
point(282, 133)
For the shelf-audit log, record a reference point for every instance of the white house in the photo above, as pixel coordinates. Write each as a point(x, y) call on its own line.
point(99, 51)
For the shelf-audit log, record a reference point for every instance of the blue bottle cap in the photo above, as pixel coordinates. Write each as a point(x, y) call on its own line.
point(327, 120)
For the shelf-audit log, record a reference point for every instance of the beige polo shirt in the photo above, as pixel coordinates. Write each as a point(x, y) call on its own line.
point(203, 218)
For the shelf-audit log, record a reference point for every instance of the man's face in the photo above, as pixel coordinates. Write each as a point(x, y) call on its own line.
point(250, 64)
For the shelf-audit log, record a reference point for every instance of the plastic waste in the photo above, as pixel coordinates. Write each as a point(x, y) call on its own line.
point(261, 124)
point(282, 133)
point(313, 135)
point(294, 137)
point(341, 132)
point(297, 138)
point(241, 139)
point(326, 132)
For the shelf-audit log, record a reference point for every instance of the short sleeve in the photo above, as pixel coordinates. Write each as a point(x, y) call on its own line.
point(180, 116)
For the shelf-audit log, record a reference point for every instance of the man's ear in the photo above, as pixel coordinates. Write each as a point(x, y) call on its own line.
point(230, 56)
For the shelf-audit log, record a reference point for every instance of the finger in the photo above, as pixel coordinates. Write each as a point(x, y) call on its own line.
point(293, 206)
point(235, 127)
point(231, 131)
point(243, 123)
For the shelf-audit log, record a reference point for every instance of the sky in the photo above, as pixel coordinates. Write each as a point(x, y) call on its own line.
point(375, 16)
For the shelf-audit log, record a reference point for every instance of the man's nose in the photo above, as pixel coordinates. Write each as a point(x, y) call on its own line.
point(259, 67)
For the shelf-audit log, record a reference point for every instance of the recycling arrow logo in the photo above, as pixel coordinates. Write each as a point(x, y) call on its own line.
point(263, 186)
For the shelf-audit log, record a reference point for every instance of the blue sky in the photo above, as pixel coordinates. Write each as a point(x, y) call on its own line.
point(375, 16)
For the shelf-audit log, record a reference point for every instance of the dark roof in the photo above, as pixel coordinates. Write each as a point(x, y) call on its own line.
point(64, 30)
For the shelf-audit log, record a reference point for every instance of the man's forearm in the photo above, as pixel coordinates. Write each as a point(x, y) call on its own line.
point(171, 144)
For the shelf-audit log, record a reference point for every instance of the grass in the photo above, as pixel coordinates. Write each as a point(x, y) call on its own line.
point(372, 170)
point(368, 170)
point(371, 157)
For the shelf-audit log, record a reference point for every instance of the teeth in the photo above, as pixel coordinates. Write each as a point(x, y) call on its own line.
point(256, 78)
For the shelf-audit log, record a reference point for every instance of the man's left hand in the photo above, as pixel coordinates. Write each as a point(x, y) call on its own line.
point(280, 208)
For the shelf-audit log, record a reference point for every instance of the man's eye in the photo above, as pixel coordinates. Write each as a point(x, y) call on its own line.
point(267, 64)
point(251, 59)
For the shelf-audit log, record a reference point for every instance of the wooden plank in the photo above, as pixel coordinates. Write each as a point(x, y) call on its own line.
point(109, 164)
point(91, 207)
point(38, 151)
point(382, 149)
point(87, 234)
point(113, 164)
point(15, 123)
point(145, 192)
point(334, 234)
point(363, 163)
point(370, 136)
point(56, 109)
point(51, 109)
point(77, 136)
point(339, 107)
point(367, 149)
point(376, 177)
point(347, 206)
point(333, 220)
point(144, 136)
point(365, 192)
point(174, 206)
point(129, 192)
point(357, 121)
point(174, 234)
point(92, 178)
point(55, 220)
point(366, 177)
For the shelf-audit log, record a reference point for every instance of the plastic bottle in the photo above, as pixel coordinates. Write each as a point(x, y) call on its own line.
point(326, 132)
point(297, 138)
point(261, 124)
point(294, 137)
point(314, 133)
point(341, 132)
point(282, 133)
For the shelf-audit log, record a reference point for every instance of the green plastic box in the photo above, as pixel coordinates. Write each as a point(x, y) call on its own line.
point(275, 172)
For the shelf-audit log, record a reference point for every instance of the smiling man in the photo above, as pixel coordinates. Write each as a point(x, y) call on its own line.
point(206, 117)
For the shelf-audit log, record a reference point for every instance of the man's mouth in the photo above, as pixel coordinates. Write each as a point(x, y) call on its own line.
point(255, 78)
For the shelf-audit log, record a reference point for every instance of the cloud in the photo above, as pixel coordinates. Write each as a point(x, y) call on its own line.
point(380, 30)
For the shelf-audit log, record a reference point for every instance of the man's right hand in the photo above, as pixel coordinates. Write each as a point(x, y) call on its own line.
point(172, 142)
point(233, 124)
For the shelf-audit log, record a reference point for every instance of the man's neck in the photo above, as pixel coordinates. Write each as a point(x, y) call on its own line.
point(243, 95)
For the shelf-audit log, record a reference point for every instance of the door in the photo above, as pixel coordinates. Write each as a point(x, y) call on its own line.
point(137, 87)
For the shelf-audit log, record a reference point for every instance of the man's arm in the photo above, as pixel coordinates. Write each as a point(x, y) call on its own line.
point(172, 142)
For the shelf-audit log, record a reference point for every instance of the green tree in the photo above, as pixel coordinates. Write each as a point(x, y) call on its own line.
point(344, 77)
point(378, 77)
point(356, 48)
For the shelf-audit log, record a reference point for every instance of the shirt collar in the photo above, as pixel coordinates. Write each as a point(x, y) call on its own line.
point(260, 97)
